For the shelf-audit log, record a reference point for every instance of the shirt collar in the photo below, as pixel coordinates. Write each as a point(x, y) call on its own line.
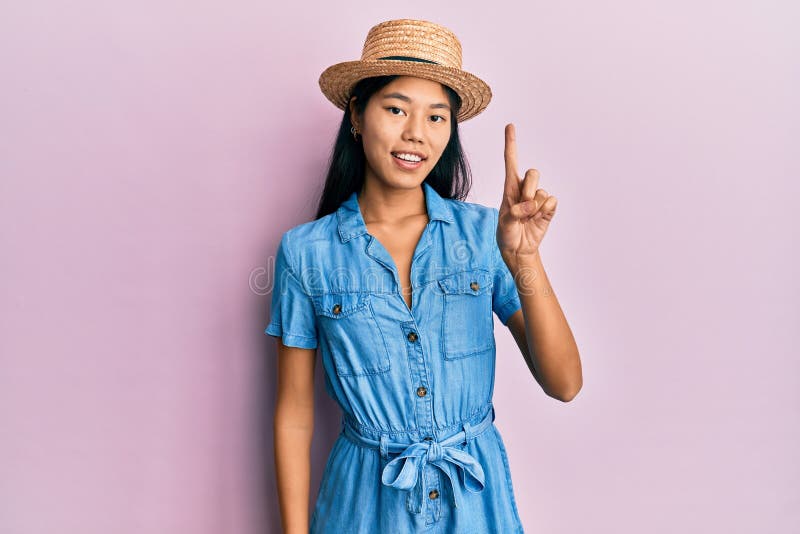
point(351, 222)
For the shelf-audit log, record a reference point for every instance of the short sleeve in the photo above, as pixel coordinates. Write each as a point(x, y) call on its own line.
point(293, 317)
point(505, 298)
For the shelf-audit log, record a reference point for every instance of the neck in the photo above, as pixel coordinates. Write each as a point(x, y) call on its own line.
point(383, 204)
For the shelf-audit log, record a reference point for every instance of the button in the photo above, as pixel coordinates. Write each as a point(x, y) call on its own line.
point(412, 336)
point(422, 391)
point(475, 286)
point(337, 309)
point(428, 438)
point(433, 494)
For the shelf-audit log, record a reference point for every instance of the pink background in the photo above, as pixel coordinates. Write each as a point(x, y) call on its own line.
point(151, 155)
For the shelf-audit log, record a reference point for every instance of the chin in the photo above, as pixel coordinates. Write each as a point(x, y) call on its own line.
point(407, 181)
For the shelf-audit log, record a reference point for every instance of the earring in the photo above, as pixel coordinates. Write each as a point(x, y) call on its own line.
point(354, 132)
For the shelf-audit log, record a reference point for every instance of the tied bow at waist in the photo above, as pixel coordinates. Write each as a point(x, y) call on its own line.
point(405, 472)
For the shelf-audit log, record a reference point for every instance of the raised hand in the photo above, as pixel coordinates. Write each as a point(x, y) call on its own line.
point(525, 212)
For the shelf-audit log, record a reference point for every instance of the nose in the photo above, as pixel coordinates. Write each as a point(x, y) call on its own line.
point(413, 130)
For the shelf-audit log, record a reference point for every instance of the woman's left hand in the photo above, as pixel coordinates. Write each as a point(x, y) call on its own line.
point(525, 212)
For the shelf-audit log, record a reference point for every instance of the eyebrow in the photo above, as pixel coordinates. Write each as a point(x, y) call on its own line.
point(403, 97)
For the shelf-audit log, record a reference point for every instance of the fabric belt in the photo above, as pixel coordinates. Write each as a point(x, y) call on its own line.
point(405, 471)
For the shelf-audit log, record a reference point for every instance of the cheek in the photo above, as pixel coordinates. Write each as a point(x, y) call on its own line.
point(442, 144)
point(440, 151)
point(377, 156)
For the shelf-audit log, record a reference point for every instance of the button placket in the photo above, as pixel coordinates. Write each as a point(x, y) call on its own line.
point(434, 505)
point(419, 376)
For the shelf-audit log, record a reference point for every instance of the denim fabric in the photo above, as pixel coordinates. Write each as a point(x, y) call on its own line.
point(418, 450)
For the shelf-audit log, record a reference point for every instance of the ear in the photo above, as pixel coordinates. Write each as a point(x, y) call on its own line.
point(353, 114)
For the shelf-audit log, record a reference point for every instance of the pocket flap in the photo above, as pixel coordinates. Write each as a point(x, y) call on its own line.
point(339, 305)
point(473, 281)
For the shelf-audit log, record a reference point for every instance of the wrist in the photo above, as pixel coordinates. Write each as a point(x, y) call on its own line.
point(522, 263)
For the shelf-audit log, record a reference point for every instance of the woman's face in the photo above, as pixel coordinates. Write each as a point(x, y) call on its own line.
point(408, 115)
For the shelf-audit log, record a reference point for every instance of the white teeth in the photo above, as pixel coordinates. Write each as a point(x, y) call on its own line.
point(408, 157)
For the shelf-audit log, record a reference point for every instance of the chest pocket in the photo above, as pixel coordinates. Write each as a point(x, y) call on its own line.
point(467, 324)
point(349, 327)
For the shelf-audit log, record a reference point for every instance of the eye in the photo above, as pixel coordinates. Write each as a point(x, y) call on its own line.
point(390, 108)
point(443, 119)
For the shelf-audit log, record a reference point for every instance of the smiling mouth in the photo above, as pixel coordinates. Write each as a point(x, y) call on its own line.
point(394, 154)
point(405, 164)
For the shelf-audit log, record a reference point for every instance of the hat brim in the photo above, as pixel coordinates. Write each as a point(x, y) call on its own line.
point(337, 81)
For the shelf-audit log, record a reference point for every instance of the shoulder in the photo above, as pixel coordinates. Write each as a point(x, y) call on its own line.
point(472, 211)
point(472, 234)
point(299, 238)
point(474, 219)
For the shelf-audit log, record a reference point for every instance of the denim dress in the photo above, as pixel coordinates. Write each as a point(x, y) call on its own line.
point(418, 450)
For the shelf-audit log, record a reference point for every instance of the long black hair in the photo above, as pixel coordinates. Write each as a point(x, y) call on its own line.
point(451, 177)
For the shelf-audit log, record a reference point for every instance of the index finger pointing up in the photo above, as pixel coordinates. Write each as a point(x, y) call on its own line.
point(512, 178)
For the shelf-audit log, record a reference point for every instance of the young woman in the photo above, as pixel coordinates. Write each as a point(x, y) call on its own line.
point(395, 282)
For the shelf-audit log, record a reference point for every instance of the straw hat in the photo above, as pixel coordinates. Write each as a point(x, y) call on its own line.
point(413, 48)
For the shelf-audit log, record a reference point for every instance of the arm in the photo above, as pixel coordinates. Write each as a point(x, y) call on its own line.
point(293, 427)
point(516, 324)
point(539, 327)
point(543, 334)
